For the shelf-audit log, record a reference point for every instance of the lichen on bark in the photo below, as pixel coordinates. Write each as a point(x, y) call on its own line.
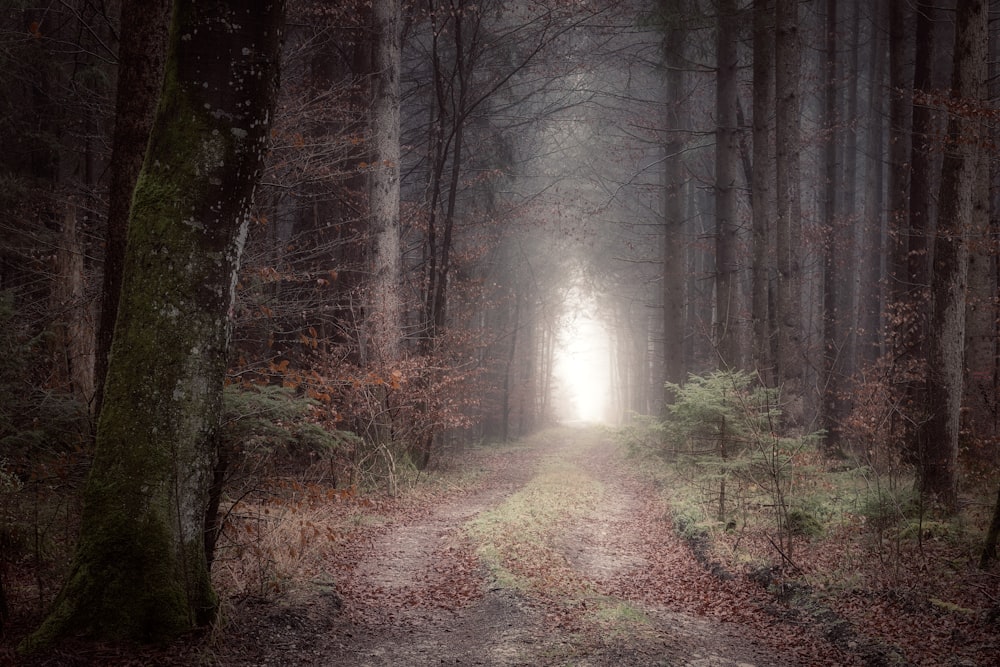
point(140, 571)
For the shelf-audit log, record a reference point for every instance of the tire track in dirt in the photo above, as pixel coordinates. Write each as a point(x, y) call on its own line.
point(416, 593)
point(629, 551)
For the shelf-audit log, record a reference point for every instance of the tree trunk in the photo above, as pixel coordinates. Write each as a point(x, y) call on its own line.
point(386, 325)
point(384, 313)
point(900, 122)
point(847, 291)
point(923, 182)
point(832, 280)
point(141, 52)
point(992, 535)
point(981, 317)
point(943, 383)
point(673, 202)
point(74, 321)
point(726, 336)
point(761, 190)
point(982, 416)
point(140, 571)
point(911, 303)
point(870, 292)
point(789, 285)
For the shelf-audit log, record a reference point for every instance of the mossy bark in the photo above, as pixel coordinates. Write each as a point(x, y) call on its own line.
point(140, 571)
point(142, 54)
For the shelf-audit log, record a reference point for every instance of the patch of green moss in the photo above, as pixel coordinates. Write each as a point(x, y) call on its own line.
point(803, 523)
point(621, 615)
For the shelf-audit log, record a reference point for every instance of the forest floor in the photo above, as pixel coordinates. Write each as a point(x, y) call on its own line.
point(551, 552)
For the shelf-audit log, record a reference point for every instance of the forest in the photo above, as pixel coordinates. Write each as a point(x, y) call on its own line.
point(259, 256)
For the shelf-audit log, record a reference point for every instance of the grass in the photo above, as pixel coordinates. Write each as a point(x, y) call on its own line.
point(517, 540)
point(620, 616)
point(520, 541)
point(269, 545)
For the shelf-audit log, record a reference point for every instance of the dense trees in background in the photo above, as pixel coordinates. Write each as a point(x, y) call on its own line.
point(448, 183)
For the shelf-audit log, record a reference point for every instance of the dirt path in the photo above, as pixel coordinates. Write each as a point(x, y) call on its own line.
point(559, 556)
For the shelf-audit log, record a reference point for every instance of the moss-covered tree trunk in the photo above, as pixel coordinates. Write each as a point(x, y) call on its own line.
point(142, 48)
point(140, 570)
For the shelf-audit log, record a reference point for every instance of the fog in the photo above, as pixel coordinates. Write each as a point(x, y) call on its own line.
point(583, 365)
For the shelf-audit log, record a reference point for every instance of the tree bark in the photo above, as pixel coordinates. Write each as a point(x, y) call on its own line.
point(73, 341)
point(383, 326)
point(983, 309)
point(992, 535)
point(900, 123)
point(789, 286)
point(981, 318)
point(761, 190)
point(871, 292)
point(726, 336)
point(923, 181)
point(943, 384)
point(832, 280)
point(673, 200)
point(141, 54)
point(140, 571)
point(848, 290)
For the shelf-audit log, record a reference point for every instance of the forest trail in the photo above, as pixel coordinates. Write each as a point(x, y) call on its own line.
point(556, 555)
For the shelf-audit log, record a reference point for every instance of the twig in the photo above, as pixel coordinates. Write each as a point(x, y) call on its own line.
point(784, 557)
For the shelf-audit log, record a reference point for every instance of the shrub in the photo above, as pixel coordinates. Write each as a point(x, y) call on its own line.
point(725, 431)
point(268, 419)
point(720, 412)
point(884, 508)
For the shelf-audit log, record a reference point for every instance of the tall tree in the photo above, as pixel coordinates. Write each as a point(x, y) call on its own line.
point(673, 194)
point(980, 417)
point(726, 336)
point(958, 198)
point(982, 354)
point(832, 283)
point(787, 236)
point(900, 123)
point(384, 318)
point(140, 570)
point(870, 292)
point(761, 188)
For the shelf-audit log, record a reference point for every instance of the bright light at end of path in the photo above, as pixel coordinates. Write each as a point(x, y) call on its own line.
point(582, 368)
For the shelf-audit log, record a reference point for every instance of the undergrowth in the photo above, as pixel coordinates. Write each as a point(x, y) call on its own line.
point(838, 535)
point(270, 542)
point(767, 499)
